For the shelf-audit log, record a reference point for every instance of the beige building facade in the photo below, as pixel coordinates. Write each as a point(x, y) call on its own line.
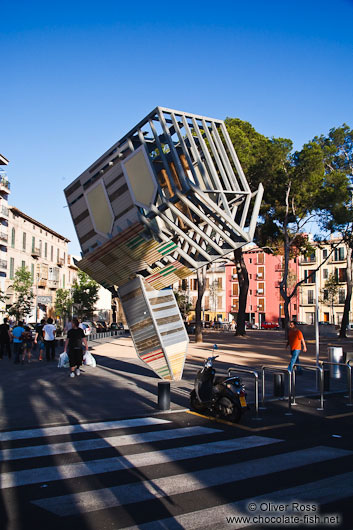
point(315, 286)
point(44, 253)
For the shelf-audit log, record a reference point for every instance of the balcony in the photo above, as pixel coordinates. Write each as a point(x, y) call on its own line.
point(307, 260)
point(260, 292)
point(3, 264)
point(260, 276)
point(35, 252)
point(60, 262)
point(4, 212)
point(42, 283)
point(4, 236)
point(4, 183)
point(53, 284)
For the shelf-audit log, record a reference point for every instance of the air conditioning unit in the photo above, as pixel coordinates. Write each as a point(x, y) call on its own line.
point(234, 276)
point(260, 291)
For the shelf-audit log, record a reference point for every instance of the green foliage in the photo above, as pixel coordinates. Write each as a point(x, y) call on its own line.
point(63, 303)
point(85, 294)
point(22, 287)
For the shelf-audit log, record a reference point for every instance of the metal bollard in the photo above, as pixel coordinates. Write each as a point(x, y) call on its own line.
point(164, 395)
point(278, 385)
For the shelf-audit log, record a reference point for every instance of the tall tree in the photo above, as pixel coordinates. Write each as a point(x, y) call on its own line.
point(63, 303)
point(337, 197)
point(293, 184)
point(22, 287)
point(85, 294)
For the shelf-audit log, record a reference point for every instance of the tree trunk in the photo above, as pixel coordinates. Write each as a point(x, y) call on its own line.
point(243, 280)
point(347, 302)
point(201, 286)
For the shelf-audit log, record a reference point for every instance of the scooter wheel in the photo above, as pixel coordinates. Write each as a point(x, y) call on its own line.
point(229, 409)
point(195, 404)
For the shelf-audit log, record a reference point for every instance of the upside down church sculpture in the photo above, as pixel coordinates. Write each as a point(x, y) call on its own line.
point(166, 199)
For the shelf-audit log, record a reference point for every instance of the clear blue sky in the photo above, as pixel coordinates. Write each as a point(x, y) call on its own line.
point(76, 76)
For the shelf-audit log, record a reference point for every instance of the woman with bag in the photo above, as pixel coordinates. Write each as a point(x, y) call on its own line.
point(73, 346)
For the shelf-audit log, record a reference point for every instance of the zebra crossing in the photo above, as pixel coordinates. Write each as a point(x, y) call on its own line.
point(153, 473)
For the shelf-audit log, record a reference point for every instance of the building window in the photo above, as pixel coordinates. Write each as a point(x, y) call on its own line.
point(40, 248)
point(12, 268)
point(57, 255)
point(324, 253)
point(219, 302)
point(63, 281)
point(235, 305)
point(325, 274)
point(24, 241)
point(23, 264)
point(219, 283)
point(261, 288)
point(235, 289)
point(193, 284)
point(33, 243)
point(309, 276)
point(260, 259)
point(32, 272)
point(341, 275)
point(261, 305)
point(13, 235)
point(341, 296)
point(45, 249)
point(310, 297)
point(339, 254)
point(325, 294)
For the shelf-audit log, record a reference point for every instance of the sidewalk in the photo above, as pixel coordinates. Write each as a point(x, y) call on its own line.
point(121, 386)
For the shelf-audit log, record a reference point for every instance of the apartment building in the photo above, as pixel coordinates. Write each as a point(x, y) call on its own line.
point(45, 254)
point(315, 283)
point(264, 302)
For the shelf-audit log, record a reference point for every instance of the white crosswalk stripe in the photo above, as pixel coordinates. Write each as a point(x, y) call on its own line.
point(81, 478)
point(147, 490)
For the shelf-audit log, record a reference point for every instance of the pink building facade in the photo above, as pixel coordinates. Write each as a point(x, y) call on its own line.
point(264, 303)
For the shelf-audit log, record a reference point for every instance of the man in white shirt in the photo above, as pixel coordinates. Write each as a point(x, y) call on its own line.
point(49, 339)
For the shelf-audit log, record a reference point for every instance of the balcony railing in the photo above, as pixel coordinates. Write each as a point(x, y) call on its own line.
point(3, 264)
point(4, 236)
point(4, 212)
point(60, 262)
point(53, 284)
point(35, 252)
point(307, 260)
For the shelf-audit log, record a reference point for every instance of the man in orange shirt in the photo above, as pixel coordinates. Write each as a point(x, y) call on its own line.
point(297, 343)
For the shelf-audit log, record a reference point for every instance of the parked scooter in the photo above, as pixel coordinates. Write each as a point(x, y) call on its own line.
point(223, 397)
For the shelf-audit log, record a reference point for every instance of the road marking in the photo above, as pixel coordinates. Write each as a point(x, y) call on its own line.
point(320, 492)
point(124, 494)
point(79, 428)
point(244, 427)
point(344, 415)
point(102, 443)
point(107, 465)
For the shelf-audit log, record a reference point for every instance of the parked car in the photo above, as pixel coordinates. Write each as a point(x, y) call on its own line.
point(100, 328)
point(251, 325)
point(269, 325)
point(115, 326)
point(88, 327)
point(102, 324)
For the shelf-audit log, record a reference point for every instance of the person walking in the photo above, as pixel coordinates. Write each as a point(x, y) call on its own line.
point(27, 344)
point(73, 347)
point(5, 339)
point(297, 343)
point(49, 339)
point(18, 333)
point(39, 338)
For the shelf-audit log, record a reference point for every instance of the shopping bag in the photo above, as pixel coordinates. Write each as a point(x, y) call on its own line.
point(89, 360)
point(63, 360)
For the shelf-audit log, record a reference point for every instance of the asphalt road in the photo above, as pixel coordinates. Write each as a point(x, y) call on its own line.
point(95, 453)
